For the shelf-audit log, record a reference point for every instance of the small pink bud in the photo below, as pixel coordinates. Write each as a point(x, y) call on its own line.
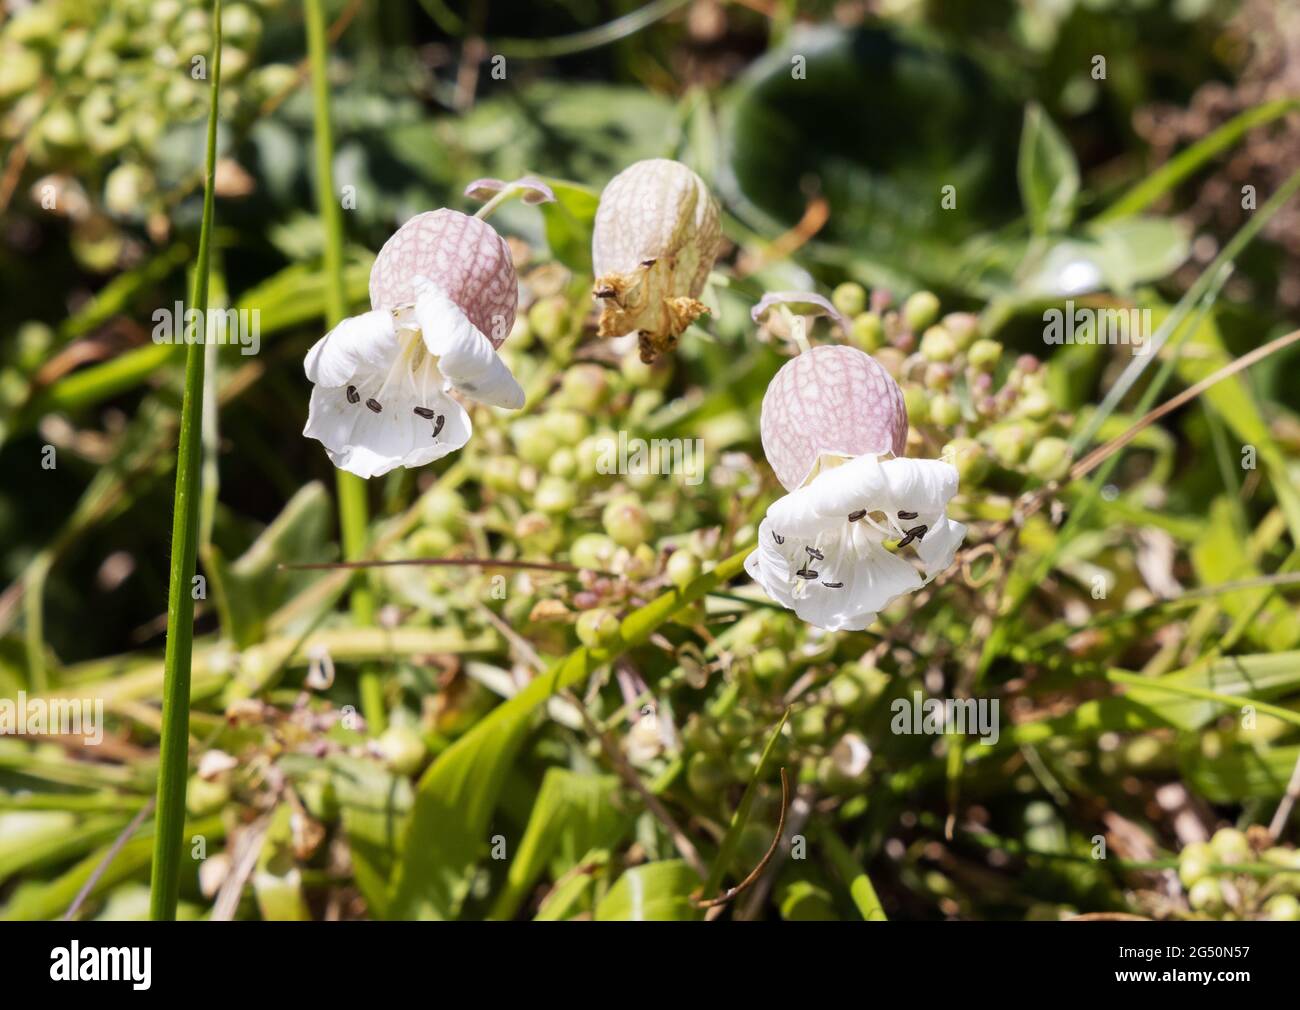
point(463, 256)
point(830, 400)
point(656, 235)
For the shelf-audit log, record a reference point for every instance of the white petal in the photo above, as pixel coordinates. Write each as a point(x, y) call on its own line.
point(369, 444)
point(359, 343)
point(834, 573)
point(940, 545)
point(465, 356)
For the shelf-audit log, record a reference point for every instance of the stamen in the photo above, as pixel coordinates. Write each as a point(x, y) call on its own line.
point(437, 425)
point(813, 552)
point(915, 533)
point(855, 516)
point(777, 537)
point(426, 413)
point(374, 405)
point(353, 395)
point(806, 573)
point(833, 585)
point(907, 515)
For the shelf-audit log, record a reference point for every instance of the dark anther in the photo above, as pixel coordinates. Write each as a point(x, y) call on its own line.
point(649, 263)
point(813, 552)
point(426, 413)
point(605, 293)
point(833, 585)
point(907, 515)
point(806, 573)
point(777, 537)
point(374, 405)
point(353, 395)
point(437, 425)
point(855, 516)
point(915, 533)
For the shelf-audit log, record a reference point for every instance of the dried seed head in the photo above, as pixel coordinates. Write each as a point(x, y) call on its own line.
point(832, 400)
point(463, 256)
point(656, 236)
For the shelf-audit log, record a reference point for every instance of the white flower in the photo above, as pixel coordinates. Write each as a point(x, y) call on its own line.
point(382, 379)
point(862, 525)
point(821, 549)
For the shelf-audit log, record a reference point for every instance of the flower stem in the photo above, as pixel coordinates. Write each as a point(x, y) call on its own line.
point(353, 507)
point(173, 756)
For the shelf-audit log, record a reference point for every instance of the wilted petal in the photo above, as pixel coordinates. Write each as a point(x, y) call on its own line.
point(532, 189)
point(801, 303)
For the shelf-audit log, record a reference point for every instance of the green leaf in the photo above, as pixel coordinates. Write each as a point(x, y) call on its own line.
point(654, 892)
point(1241, 773)
point(1047, 171)
point(573, 815)
point(569, 223)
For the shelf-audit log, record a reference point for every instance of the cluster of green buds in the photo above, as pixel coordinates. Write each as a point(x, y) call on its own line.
point(92, 89)
point(960, 389)
point(1219, 879)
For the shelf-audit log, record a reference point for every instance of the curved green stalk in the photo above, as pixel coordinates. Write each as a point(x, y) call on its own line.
point(353, 508)
point(173, 756)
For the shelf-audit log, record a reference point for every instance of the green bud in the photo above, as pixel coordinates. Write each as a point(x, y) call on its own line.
point(34, 343)
point(1206, 896)
point(1049, 459)
point(593, 550)
point(849, 298)
point(567, 427)
point(501, 473)
point(533, 442)
point(1282, 908)
point(1194, 862)
point(402, 749)
point(585, 386)
point(597, 627)
point(564, 463)
point(963, 326)
point(683, 568)
point(918, 404)
point(868, 332)
point(20, 70)
point(847, 692)
point(937, 344)
point(538, 533)
point(969, 457)
point(549, 318)
point(984, 354)
point(809, 724)
point(1231, 847)
point(945, 411)
point(126, 189)
point(1037, 404)
point(555, 495)
point(442, 507)
point(920, 310)
point(626, 522)
point(1008, 442)
point(203, 797)
point(770, 663)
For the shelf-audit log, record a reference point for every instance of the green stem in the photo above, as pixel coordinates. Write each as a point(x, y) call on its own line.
point(859, 884)
point(173, 756)
point(353, 507)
